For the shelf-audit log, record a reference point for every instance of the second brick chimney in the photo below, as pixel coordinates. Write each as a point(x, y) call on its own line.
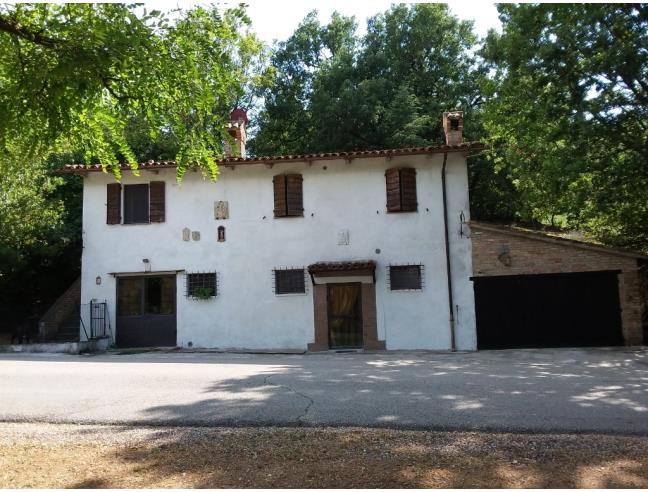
point(237, 130)
point(453, 127)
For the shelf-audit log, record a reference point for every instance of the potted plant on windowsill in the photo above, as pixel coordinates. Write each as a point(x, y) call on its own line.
point(203, 293)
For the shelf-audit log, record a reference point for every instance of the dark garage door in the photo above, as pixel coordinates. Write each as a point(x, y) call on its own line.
point(146, 315)
point(548, 310)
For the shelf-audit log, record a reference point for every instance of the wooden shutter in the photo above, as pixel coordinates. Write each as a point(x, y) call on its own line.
point(113, 203)
point(279, 183)
point(157, 201)
point(392, 179)
point(408, 189)
point(294, 196)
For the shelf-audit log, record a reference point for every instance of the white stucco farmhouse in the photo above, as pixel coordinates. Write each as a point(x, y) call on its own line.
point(365, 249)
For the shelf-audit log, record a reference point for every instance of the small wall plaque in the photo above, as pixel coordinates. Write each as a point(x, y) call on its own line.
point(185, 234)
point(221, 210)
point(195, 235)
point(343, 238)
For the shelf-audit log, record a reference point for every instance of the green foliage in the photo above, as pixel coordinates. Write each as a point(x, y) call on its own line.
point(103, 83)
point(567, 114)
point(203, 293)
point(334, 90)
point(73, 75)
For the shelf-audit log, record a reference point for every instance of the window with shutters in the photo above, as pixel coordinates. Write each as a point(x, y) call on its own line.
point(401, 189)
point(288, 196)
point(405, 277)
point(289, 281)
point(142, 203)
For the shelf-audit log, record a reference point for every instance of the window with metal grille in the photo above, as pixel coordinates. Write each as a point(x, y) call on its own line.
point(290, 281)
point(202, 285)
point(406, 277)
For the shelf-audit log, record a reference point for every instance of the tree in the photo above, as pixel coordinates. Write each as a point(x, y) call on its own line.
point(73, 75)
point(567, 114)
point(102, 83)
point(334, 90)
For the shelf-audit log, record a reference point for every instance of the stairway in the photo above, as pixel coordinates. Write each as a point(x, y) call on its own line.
point(68, 330)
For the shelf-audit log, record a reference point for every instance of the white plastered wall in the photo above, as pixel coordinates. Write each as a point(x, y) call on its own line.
point(338, 196)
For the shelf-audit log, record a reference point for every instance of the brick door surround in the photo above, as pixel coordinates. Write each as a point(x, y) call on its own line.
point(369, 321)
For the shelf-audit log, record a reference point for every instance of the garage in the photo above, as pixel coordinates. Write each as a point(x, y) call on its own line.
point(548, 310)
point(538, 288)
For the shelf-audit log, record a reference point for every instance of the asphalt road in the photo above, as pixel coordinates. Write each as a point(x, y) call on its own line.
point(600, 390)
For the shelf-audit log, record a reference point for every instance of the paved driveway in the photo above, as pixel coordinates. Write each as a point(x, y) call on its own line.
point(529, 390)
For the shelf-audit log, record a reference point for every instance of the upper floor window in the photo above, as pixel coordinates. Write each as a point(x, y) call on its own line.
point(401, 189)
point(288, 196)
point(136, 204)
point(142, 203)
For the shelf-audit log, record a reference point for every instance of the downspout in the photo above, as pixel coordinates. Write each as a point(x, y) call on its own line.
point(447, 252)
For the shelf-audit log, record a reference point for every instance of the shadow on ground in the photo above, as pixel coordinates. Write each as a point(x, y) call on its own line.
point(508, 390)
point(378, 458)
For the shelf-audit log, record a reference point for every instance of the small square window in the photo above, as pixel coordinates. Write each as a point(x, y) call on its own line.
point(406, 277)
point(290, 281)
point(202, 285)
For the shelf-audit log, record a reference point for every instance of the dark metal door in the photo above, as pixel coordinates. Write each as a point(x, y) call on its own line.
point(345, 315)
point(146, 311)
point(548, 310)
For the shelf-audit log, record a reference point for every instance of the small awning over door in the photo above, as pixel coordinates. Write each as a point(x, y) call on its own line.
point(325, 272)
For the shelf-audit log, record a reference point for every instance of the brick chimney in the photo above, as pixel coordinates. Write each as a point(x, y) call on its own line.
point(237, 130)
point(453, 127)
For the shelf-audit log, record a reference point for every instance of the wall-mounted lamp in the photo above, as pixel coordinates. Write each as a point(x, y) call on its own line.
point(98, 280)
point(147, 265)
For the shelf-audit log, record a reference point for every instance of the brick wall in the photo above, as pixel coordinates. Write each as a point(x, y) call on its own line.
point(61, 309)
point(498, 251)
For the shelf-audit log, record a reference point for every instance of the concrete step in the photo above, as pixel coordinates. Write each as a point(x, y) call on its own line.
point(65, 337)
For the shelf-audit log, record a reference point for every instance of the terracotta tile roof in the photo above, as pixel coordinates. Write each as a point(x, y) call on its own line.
point(341, 266)
point(541, 235)
point(274, 159)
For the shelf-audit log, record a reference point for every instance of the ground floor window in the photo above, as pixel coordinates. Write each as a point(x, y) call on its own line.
point(406, 277)
point(289, 281)
point(202, 285)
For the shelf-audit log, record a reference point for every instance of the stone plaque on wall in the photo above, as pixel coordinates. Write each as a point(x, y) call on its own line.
point(221, 210)
point(185, 234)
point(195, 235)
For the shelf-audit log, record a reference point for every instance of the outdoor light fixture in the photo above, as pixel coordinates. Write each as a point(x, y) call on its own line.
point(98, 280)
point(147, 265)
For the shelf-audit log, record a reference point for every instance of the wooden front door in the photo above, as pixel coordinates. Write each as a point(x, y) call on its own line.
point(345, 315)
point(146, 311)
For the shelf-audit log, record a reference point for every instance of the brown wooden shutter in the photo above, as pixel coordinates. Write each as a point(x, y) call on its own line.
point(279, 183)
point(157, 201)
point(408, 189)
point(294, 196)
point(113, 203)
point(392, 179)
